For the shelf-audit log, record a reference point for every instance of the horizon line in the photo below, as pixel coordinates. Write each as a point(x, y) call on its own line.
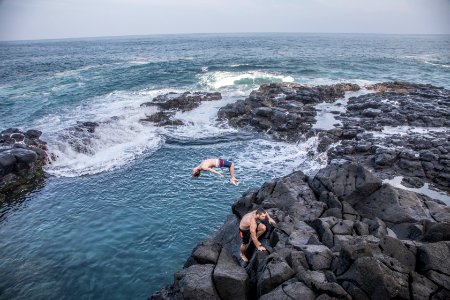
point(211, 33)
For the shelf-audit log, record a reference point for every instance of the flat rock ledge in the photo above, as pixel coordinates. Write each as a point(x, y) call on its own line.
point(397, 129)
point(22, 156)
point(284, 110)
point(342, 234)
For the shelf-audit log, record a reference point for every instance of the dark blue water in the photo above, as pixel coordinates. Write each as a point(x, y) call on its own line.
point(118, 222)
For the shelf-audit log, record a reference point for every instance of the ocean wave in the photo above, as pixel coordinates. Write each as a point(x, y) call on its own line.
point(437, 64)
point(428, 59)
point(113, 145)
point(247, 80)
point(120, 136)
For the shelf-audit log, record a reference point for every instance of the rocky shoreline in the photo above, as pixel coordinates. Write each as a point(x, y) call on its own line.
point(341, 234)
point(22, 157)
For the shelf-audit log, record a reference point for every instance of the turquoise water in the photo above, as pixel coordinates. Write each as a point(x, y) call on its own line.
point(118, 222)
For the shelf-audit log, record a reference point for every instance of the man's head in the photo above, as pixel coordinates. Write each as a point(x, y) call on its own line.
point(261, 214)
point(196, 172)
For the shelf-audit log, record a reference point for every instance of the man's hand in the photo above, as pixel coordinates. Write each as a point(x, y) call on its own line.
point(234, 181)
point(272, 221)
point(261, 248)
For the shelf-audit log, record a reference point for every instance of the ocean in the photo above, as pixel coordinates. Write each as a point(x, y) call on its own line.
point(118, 221)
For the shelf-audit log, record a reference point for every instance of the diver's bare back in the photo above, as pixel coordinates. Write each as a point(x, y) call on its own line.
point(246, 220)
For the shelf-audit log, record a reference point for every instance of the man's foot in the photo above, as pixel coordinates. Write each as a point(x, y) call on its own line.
point(244, 258)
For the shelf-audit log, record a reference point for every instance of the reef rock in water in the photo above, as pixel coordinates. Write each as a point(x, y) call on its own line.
point(22, 156)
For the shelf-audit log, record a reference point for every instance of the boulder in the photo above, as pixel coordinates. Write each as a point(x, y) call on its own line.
point(396, 249)
point(291, 289)
point(393, 205)
point(207, 252)
point(378, 278)
point(195, 282)
point(434, 257)
point(348, 181)
point(352, 249)
point(319, 257)
point(275, 272)
point(422, 287)
point(231, 280)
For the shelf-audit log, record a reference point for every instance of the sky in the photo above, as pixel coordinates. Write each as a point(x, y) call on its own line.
point(49, 19)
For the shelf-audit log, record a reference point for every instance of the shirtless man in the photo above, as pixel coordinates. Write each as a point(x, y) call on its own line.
point(208, 164)
point(252, 226)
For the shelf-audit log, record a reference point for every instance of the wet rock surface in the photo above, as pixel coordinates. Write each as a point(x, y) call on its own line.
point(344, 234)
point(22, 156)
point(365, 254)
point(169, 104)
point(284, 110)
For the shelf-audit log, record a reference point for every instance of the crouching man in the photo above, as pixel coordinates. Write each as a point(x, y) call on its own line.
point(252, 227)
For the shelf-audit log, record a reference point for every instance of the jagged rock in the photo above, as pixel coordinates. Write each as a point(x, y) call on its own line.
point(276, 271)
point(376, 227)
point(396, 249)
point(443, 294)
point(245, 204)
point(361, 228)
point(422, 287)
point(378, 277)
point(295, 259)
point(348, 181)
point(231, 281)
point(22, 156)
point(393, 205)
point(330, 199)
point(291, 289)
point(344, 227)
point(322, 226)
point(195, 282)
point(283, 109)
point(436, 232)
point(301, 235)
point(332, 212)
point(206, 252)
point(410, 231)
point(163, 118)
point(184, 102)
point(354, 248)
point(434, 257)
point(319, 257)
point(349, 213)
point(439, 211)
point(228, 236)
point(354, 291)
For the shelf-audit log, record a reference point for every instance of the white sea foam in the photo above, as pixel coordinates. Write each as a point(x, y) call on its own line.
point(281, 158)
point(74, 72)
point(437, 64)
point(113, 145)
point(201, 122)
point(119, 138)
point(251, 79)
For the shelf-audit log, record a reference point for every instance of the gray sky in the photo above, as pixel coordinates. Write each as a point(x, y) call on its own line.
point(43, 19)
